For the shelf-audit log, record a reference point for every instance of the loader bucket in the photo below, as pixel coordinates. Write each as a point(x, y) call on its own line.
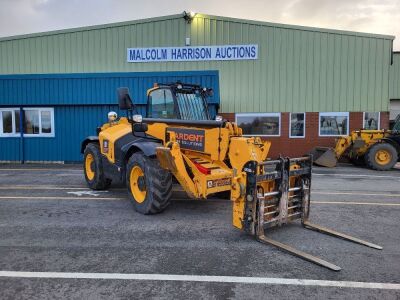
point(324, 156)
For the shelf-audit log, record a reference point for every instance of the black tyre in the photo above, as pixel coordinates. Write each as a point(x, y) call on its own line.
point(93, 168)
point(381, 157)
point(149, 186)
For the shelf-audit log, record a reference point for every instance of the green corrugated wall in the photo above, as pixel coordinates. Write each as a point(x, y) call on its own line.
point(394, 90)
point(299, 68)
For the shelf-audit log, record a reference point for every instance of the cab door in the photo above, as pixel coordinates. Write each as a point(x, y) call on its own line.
point(161, 104)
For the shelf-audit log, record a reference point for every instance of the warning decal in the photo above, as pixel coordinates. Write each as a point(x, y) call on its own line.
point(218, 182)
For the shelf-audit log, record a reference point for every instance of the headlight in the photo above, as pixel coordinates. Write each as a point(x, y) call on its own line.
point(137, 118)
point(112, 116)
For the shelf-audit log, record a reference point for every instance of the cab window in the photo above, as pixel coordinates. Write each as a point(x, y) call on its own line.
point(192, 106)
point(161, 104)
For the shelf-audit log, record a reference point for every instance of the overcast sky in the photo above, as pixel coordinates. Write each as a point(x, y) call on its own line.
point(375, 16)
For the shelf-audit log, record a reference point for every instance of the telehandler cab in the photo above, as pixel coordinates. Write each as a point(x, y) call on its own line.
point(178, 142)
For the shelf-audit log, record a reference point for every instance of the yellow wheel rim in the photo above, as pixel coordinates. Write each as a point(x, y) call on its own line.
point(89, 161)
point(383, 157)
point(137, 185)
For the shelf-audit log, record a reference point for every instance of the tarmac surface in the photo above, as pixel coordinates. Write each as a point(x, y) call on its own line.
point(83, 244)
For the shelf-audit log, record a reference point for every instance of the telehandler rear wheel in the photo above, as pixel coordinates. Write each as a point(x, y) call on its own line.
point(381, 157)
point(149, 186)
point(93, 168)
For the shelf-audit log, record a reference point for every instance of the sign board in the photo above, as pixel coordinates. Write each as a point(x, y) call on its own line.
point(198, 53)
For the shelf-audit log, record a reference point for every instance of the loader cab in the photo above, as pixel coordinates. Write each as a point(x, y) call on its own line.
point(178, 101)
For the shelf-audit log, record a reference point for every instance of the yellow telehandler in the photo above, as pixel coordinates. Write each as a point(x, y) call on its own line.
point(179, 143)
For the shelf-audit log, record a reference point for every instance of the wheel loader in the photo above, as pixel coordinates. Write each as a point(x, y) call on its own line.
point(376, 149)
point(178, 143)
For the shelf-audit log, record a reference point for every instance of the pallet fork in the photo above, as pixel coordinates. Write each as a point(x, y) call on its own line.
point(288, 201)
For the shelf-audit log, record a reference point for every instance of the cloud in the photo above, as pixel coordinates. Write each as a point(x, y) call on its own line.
point(376, 16)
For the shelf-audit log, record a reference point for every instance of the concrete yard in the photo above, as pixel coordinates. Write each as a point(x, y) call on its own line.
point(81, 244)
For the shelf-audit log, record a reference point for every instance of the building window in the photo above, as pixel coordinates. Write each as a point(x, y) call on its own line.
point(37, 122)
point(333, 123)
point(297, 125)
point(371, 120)
point(260, 124)
point(9, 122)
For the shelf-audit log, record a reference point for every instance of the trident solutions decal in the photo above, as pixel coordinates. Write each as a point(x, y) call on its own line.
point(191, 139)
point(199, 53)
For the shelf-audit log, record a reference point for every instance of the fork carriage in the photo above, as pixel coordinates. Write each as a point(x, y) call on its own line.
point(279, 191)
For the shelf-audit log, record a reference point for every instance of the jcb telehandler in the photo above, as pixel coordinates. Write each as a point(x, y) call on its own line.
point(178, 142)
point(376, 149)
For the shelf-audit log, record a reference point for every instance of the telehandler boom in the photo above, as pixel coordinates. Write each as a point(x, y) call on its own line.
point(178, 142)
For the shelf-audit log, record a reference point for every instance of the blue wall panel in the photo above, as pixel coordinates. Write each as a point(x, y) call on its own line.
point(89, 89)
point(72, 125)
point(10, 149)
point(81, 103)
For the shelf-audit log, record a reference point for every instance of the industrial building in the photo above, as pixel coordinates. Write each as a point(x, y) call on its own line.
point(296, 86)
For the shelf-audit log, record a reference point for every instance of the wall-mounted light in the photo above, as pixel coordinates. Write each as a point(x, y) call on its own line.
point(189, 16)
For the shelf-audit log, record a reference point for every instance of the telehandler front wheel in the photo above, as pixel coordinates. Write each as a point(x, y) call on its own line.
point(381, 157)
point(93, 168)
point(149, 186)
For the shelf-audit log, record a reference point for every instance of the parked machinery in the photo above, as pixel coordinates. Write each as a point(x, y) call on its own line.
point(376, 149)
point(179, 142)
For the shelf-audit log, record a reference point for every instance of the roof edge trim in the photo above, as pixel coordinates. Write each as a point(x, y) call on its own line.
point(199, 15)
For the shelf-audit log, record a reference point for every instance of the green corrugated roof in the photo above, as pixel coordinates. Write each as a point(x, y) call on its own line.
point(176, 16)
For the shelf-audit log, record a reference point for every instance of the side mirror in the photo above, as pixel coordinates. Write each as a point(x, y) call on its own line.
point(210, 92)
point(140, 127)
point(124, 100)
